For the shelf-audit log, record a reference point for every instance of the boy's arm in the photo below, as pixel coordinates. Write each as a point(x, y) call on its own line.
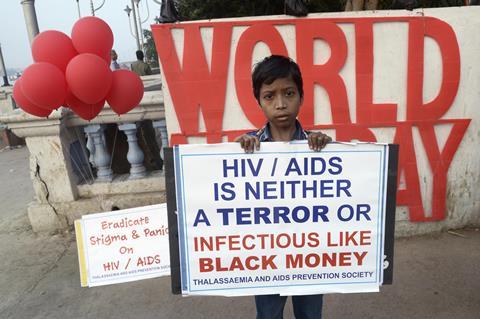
point(318, 140)
point(248, 142)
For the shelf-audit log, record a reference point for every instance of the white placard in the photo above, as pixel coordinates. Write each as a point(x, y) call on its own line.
point(283, 220)
point(124, 245)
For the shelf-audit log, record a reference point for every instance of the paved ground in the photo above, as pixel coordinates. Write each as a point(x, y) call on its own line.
point(15, 186)
point(436, 276)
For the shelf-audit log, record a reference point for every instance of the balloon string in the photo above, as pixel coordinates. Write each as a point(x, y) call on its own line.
point(79, 167)
point(73, 160)
point(85, 156)
point(113, 147)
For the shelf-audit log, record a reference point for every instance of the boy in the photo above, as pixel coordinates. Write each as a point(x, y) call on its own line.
point(278, 88)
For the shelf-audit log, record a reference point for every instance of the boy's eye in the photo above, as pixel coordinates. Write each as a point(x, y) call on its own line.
point(268, 96)
point(290, 93)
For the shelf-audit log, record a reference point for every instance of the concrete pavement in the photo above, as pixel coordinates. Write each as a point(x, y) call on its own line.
point(435, 276)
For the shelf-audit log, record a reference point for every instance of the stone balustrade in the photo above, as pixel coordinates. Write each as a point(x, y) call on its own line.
point(71, 163)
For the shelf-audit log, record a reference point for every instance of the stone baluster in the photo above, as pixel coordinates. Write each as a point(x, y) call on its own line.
point(90, 147)
point(104, 140)
point(101, 156)
point(135, 155)
point(161, 125)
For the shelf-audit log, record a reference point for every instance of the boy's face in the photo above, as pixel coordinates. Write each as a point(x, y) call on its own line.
point(280, 102)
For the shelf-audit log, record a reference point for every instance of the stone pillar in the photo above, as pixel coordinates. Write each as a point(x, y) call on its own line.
point(30, 18)
point(135, 155)
point(161, 125)
point(101, 157)
point(53, 180)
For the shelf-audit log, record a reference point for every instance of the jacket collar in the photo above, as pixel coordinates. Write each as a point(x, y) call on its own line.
point(264, 134)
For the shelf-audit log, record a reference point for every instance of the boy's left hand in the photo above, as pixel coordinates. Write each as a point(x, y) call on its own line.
point(318, 140)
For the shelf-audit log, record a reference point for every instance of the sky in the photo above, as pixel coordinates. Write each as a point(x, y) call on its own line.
point(61, 15)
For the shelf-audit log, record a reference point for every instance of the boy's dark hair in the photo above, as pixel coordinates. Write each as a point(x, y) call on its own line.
point(272, 68)
point(139, 54)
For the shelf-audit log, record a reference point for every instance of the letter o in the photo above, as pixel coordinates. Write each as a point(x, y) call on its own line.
point(287, 237)
point(350, 212)
point(306, 214)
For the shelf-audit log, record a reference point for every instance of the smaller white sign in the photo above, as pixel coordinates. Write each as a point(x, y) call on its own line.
point(123, 245)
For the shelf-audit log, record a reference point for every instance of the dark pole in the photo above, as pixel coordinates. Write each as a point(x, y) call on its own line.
point(3, 70)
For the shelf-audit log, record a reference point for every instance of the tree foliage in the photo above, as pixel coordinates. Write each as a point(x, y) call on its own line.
point(150, 49)
point(213, 9)
point(389, 4)
point(216, 9)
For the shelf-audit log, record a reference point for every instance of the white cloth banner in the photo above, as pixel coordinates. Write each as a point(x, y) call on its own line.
point(283, 220)
point(123, 245)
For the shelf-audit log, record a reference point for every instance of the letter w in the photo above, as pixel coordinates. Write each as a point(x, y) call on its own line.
point(193, 86)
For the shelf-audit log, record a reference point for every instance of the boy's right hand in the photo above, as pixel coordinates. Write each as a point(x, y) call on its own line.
point(249, 143)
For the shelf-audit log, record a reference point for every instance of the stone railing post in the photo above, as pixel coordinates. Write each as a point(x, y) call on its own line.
point(101, 157)
point(91, 148)
point(161, 125)
point(135, 155)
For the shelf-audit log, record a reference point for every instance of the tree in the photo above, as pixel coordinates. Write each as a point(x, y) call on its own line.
point(356, 5)
point(213, 9)
point(150, 49)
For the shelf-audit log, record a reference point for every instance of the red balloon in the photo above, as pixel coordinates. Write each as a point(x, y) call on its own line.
point(89, 78)
point(44, 85)
point(53, 47)
point(92, 35)
point(84, 110)
point(108, 58)
point(25, 104)
point(126, 92)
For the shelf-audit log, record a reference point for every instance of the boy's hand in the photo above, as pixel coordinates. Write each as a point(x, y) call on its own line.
point(248, 142)
point(318, 140)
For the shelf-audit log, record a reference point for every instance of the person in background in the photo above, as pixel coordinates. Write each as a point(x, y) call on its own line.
point(140, 67)
point(114, 65)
